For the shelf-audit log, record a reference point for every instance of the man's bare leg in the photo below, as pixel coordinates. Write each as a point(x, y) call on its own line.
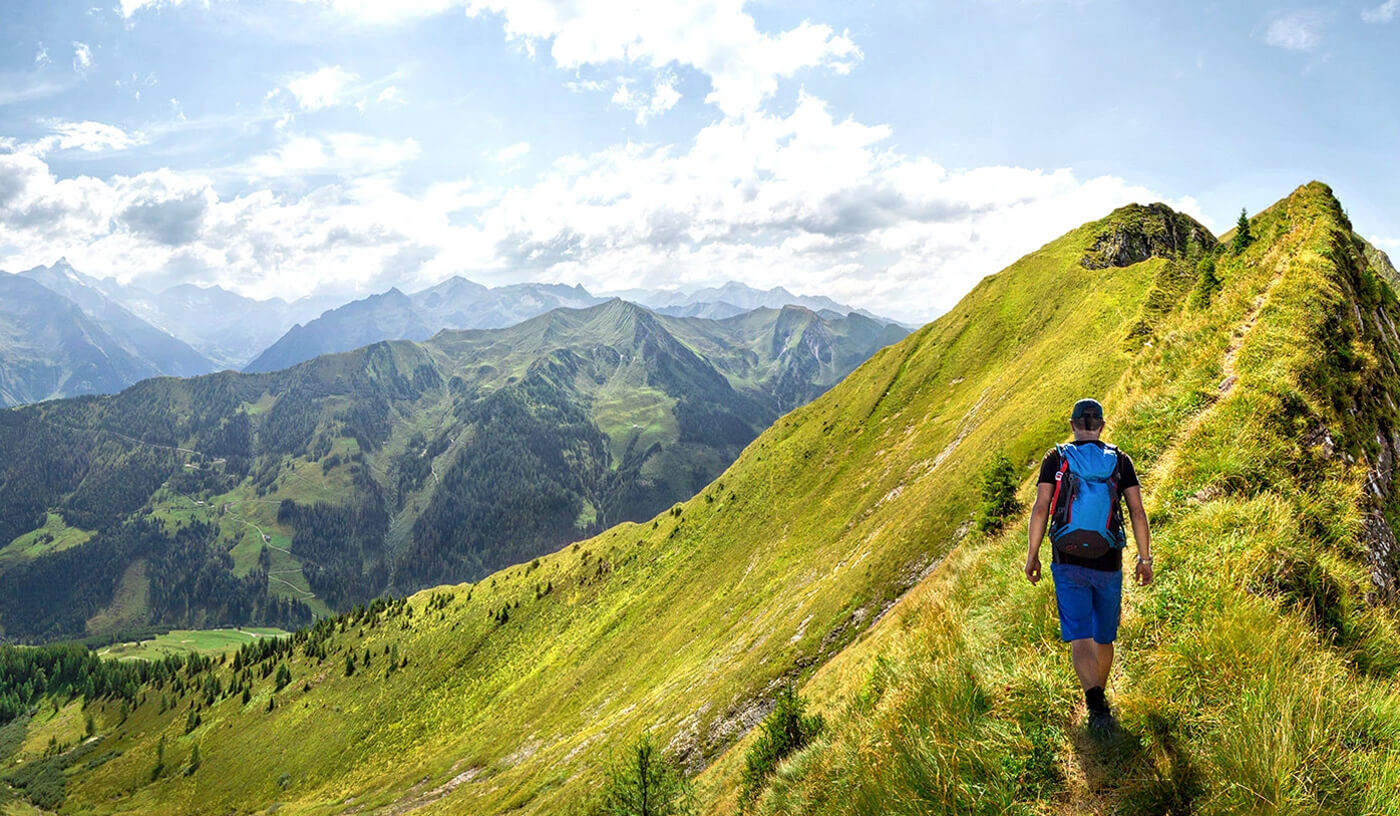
point(1085, 653)
point(1105, 660)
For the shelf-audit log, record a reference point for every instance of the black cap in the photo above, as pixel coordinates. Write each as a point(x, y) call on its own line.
point(1087, 409)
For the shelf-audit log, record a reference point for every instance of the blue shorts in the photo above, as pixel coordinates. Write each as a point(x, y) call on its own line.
point(1089, 601)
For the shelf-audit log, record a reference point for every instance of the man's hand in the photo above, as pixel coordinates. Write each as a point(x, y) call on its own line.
point(1143, 573)
point(1033, 568)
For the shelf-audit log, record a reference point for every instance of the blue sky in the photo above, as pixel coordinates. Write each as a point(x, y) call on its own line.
point(886, 154)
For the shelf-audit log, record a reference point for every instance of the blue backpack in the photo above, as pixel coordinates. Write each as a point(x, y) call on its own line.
point(1085, 521)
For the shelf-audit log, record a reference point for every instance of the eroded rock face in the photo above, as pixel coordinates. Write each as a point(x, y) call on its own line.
point(1134, 233)
point(1383, 553)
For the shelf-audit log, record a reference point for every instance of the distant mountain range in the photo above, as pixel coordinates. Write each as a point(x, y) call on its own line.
point(458, 303)
point(127, 333)
point(390, 467)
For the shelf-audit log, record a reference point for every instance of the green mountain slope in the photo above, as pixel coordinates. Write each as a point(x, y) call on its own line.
point(1258, 674)
point(239, 498)
point(517, 687)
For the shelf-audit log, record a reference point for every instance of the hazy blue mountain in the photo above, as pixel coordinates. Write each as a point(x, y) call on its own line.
point(456, 303)
point(49, 347)
point(164, 353)
point(388, 316)
point(714, 310)
point(734, 298)
point(227, 327)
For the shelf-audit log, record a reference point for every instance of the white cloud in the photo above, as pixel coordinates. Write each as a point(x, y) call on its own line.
point(88, 136)
point(82, 57)
point(390, 96)
point(322, 88)
point(1296, 31)
point(1387, 244)
point(508, 154)
point(806, 200)
point(41, 58)
point(717, 38)
point(1383, 13)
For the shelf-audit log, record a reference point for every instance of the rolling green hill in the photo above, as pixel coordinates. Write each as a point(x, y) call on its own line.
point(267, 498)
point(1259, 674)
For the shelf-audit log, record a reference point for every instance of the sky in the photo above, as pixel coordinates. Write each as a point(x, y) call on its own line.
point(885, 154)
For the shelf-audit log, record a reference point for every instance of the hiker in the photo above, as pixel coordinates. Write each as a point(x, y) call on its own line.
point(1078, 496)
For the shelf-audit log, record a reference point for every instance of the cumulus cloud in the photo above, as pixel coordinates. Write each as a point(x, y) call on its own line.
point(1296, 31)
point(806, 200)
point(41, 57)
point(717, 38)
point(164, 207)
point(1383, 13)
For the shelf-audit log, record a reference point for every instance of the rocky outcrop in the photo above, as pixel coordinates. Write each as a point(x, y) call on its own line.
point(1134, 233)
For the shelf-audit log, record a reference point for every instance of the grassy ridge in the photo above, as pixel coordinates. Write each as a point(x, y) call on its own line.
point(683, 625)
point(1255, 678)
point(1259, 679)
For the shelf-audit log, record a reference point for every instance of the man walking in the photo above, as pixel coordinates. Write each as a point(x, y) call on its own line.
point(1078, 497)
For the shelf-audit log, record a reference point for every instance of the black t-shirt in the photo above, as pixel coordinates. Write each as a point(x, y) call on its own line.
point(1111, 561)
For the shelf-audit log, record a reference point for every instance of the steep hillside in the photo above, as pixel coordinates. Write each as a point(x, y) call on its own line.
point(50, 348)
point(240, 498)
point(518, 687)
point(1265, 426)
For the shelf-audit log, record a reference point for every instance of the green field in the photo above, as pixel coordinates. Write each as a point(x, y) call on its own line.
point(54, 536)
point(185, 641)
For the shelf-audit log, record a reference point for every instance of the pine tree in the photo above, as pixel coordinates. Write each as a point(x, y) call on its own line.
point(999, 502)
point(350, 664)
point(1206, 283)
point(1243, 237)
point(284, 676)
point(645, 783)
point(194, 760)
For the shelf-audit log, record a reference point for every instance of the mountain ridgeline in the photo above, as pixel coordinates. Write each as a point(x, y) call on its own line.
point(242, 498)
point(1255, 384)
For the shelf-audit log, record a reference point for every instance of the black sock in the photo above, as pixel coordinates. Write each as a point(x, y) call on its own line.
point(1094, 699)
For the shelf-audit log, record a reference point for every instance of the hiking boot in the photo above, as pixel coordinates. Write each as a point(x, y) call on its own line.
point(1101, 721)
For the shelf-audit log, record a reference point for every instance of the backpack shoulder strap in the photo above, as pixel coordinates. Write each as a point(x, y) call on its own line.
point(1059, 478)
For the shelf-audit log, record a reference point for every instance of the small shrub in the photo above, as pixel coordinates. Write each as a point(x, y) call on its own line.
point(999, 502)
point(787, 729)
point(1206, 283)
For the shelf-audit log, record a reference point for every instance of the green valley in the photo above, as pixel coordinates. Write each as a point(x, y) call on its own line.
point(272, 498)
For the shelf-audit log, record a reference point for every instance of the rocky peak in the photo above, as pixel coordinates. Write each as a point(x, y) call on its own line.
point(1136, 232)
